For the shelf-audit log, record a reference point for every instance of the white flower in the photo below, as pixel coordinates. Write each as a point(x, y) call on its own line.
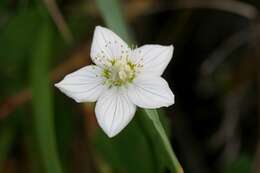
point(120, 80)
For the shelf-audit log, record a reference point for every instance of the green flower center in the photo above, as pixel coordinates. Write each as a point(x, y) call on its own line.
point(119, 72)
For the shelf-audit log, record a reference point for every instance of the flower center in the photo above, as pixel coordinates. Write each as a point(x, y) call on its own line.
point(119, 72)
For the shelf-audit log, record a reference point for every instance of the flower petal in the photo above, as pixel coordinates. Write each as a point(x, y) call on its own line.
point(150, 92)
point(83, 85)
point(114, 111)
point(154, 58)
point(106, 45)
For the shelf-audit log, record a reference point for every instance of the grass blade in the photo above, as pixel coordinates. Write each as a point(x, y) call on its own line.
point(42, 100)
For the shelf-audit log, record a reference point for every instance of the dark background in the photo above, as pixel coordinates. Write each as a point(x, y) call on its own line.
point(213, 126)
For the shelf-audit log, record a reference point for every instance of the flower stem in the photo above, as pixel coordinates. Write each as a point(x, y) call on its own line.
point(173, 162)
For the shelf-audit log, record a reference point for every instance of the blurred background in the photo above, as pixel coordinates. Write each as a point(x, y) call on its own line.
point(215, 75)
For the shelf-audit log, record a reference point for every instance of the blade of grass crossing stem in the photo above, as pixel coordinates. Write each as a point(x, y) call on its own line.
point(6, 139)
point(112, 14)
point(113, 17)
point(173, 162)
point(42, 100)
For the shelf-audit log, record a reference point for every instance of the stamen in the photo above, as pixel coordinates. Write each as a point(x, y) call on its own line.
point(120, 72)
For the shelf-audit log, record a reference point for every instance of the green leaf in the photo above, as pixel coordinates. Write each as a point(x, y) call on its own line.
point(42, 101)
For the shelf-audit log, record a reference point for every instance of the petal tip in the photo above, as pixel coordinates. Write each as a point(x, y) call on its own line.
point(78, 100)
point(99, 28)
point(108, 131)
point(171, 48)
point(58, 85)
point(170, 104)
point(111, 135)
point(171, 101)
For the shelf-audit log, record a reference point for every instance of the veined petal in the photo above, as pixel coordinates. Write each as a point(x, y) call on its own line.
point(150, 92)
point(83, 85)
point(153, 58)
point(106, 45)
point(114, 111)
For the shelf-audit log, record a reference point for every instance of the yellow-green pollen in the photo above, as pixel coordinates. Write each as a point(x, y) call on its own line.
point(119, 72)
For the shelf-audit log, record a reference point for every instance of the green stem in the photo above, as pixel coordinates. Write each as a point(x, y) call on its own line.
point(173, 162)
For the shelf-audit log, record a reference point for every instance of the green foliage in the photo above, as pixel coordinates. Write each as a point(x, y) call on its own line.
point(17, 37)
point(19, 34)
point(66, 128)
point(129, 152)
point(42, 100)
point(112, 14)
point(159, 136)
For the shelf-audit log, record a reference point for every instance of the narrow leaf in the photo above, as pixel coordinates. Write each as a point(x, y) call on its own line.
point(42, 100)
